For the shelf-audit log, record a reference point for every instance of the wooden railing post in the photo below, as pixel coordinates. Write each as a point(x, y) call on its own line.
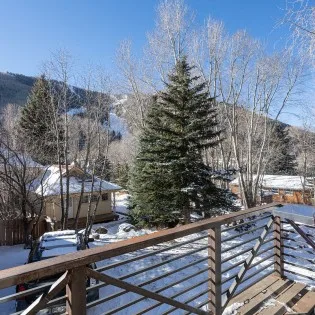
point(214, 261)
point(76, 292)
point(278, 247)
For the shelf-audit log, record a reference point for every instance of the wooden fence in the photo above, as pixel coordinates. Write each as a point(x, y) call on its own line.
point(12, 231)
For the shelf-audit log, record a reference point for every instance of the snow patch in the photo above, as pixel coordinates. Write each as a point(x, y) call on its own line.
point(232, 309)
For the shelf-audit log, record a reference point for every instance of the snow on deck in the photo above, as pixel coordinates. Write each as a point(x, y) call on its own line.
point(17, 256)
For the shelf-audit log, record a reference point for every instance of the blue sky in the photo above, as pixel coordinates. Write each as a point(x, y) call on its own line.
point(30, 30)
point(91, 30)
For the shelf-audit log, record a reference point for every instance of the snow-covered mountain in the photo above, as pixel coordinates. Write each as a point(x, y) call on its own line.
point(15, 88)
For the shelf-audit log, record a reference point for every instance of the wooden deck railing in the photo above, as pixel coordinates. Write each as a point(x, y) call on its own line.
point(192, 269)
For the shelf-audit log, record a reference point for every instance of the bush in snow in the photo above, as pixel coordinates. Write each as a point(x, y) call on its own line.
point(101, 230)
point(126, 227)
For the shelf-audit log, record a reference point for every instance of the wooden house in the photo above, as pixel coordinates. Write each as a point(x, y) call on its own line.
point(49, 186)
point(282, 188)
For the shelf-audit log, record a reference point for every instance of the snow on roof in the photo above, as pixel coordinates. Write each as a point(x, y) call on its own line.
point(48, 184)
point(279, 181)
point(304, 210)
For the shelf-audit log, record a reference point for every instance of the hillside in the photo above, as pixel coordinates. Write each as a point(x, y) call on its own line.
point(14, 88)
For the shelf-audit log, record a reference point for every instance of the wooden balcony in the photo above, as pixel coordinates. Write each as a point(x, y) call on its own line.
point(250, 257)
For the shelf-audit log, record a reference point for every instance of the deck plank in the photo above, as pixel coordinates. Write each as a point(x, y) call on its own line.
point(256, 301)
point(306, 305)
point(283, 300)
point(255, 289)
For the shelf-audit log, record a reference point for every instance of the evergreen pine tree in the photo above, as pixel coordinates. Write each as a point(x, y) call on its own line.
point(283, 161)
point(103, 167)
point(35, 125)
point(170, 179)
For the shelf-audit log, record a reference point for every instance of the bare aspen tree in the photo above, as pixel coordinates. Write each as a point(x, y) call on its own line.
point(136, 105)
point(17, 172)
point(58, 71)
point(208, 49)
point(251, 87)
point(300, 15)
point(168, 42)
point(99, 157)
point(85, 135)
point(95, 130)
point(304, 151)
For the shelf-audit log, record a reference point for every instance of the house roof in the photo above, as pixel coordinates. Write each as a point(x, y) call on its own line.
point(280, 181)
point(48, 183)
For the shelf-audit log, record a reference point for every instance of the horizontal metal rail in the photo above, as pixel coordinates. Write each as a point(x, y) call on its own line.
point(297, 266)
point(251, 221)
point(152, 253)
point(236, 255)
point(117, 294)
point(66, 262)
point(246, 242)
point(114, 311)
point(243, 233)
point(306, 250)
point(189, 300)
point(167, 287)
point(233, 266)
point(25, 293)
point(261, 261)
point(310, 261)
point(312, 226)
point(129, 275)
point(299, 274)
point(257, 271)
point(296, 241)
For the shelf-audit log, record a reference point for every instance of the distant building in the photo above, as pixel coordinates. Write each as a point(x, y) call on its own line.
point(48, 186)
point(282, 188)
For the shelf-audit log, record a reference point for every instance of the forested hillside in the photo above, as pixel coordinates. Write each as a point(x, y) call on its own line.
point(14, 88)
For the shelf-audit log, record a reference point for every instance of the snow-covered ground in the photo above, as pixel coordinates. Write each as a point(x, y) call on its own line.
point(11, 256)
point(171, 265)
point(118, 124)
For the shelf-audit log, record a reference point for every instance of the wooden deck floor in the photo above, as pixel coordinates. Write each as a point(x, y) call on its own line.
point(276, 296)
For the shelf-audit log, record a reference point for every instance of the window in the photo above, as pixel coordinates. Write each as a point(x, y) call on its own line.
point(85, 199)
point(105, 196)
point(93, 198)
point(275, 190)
